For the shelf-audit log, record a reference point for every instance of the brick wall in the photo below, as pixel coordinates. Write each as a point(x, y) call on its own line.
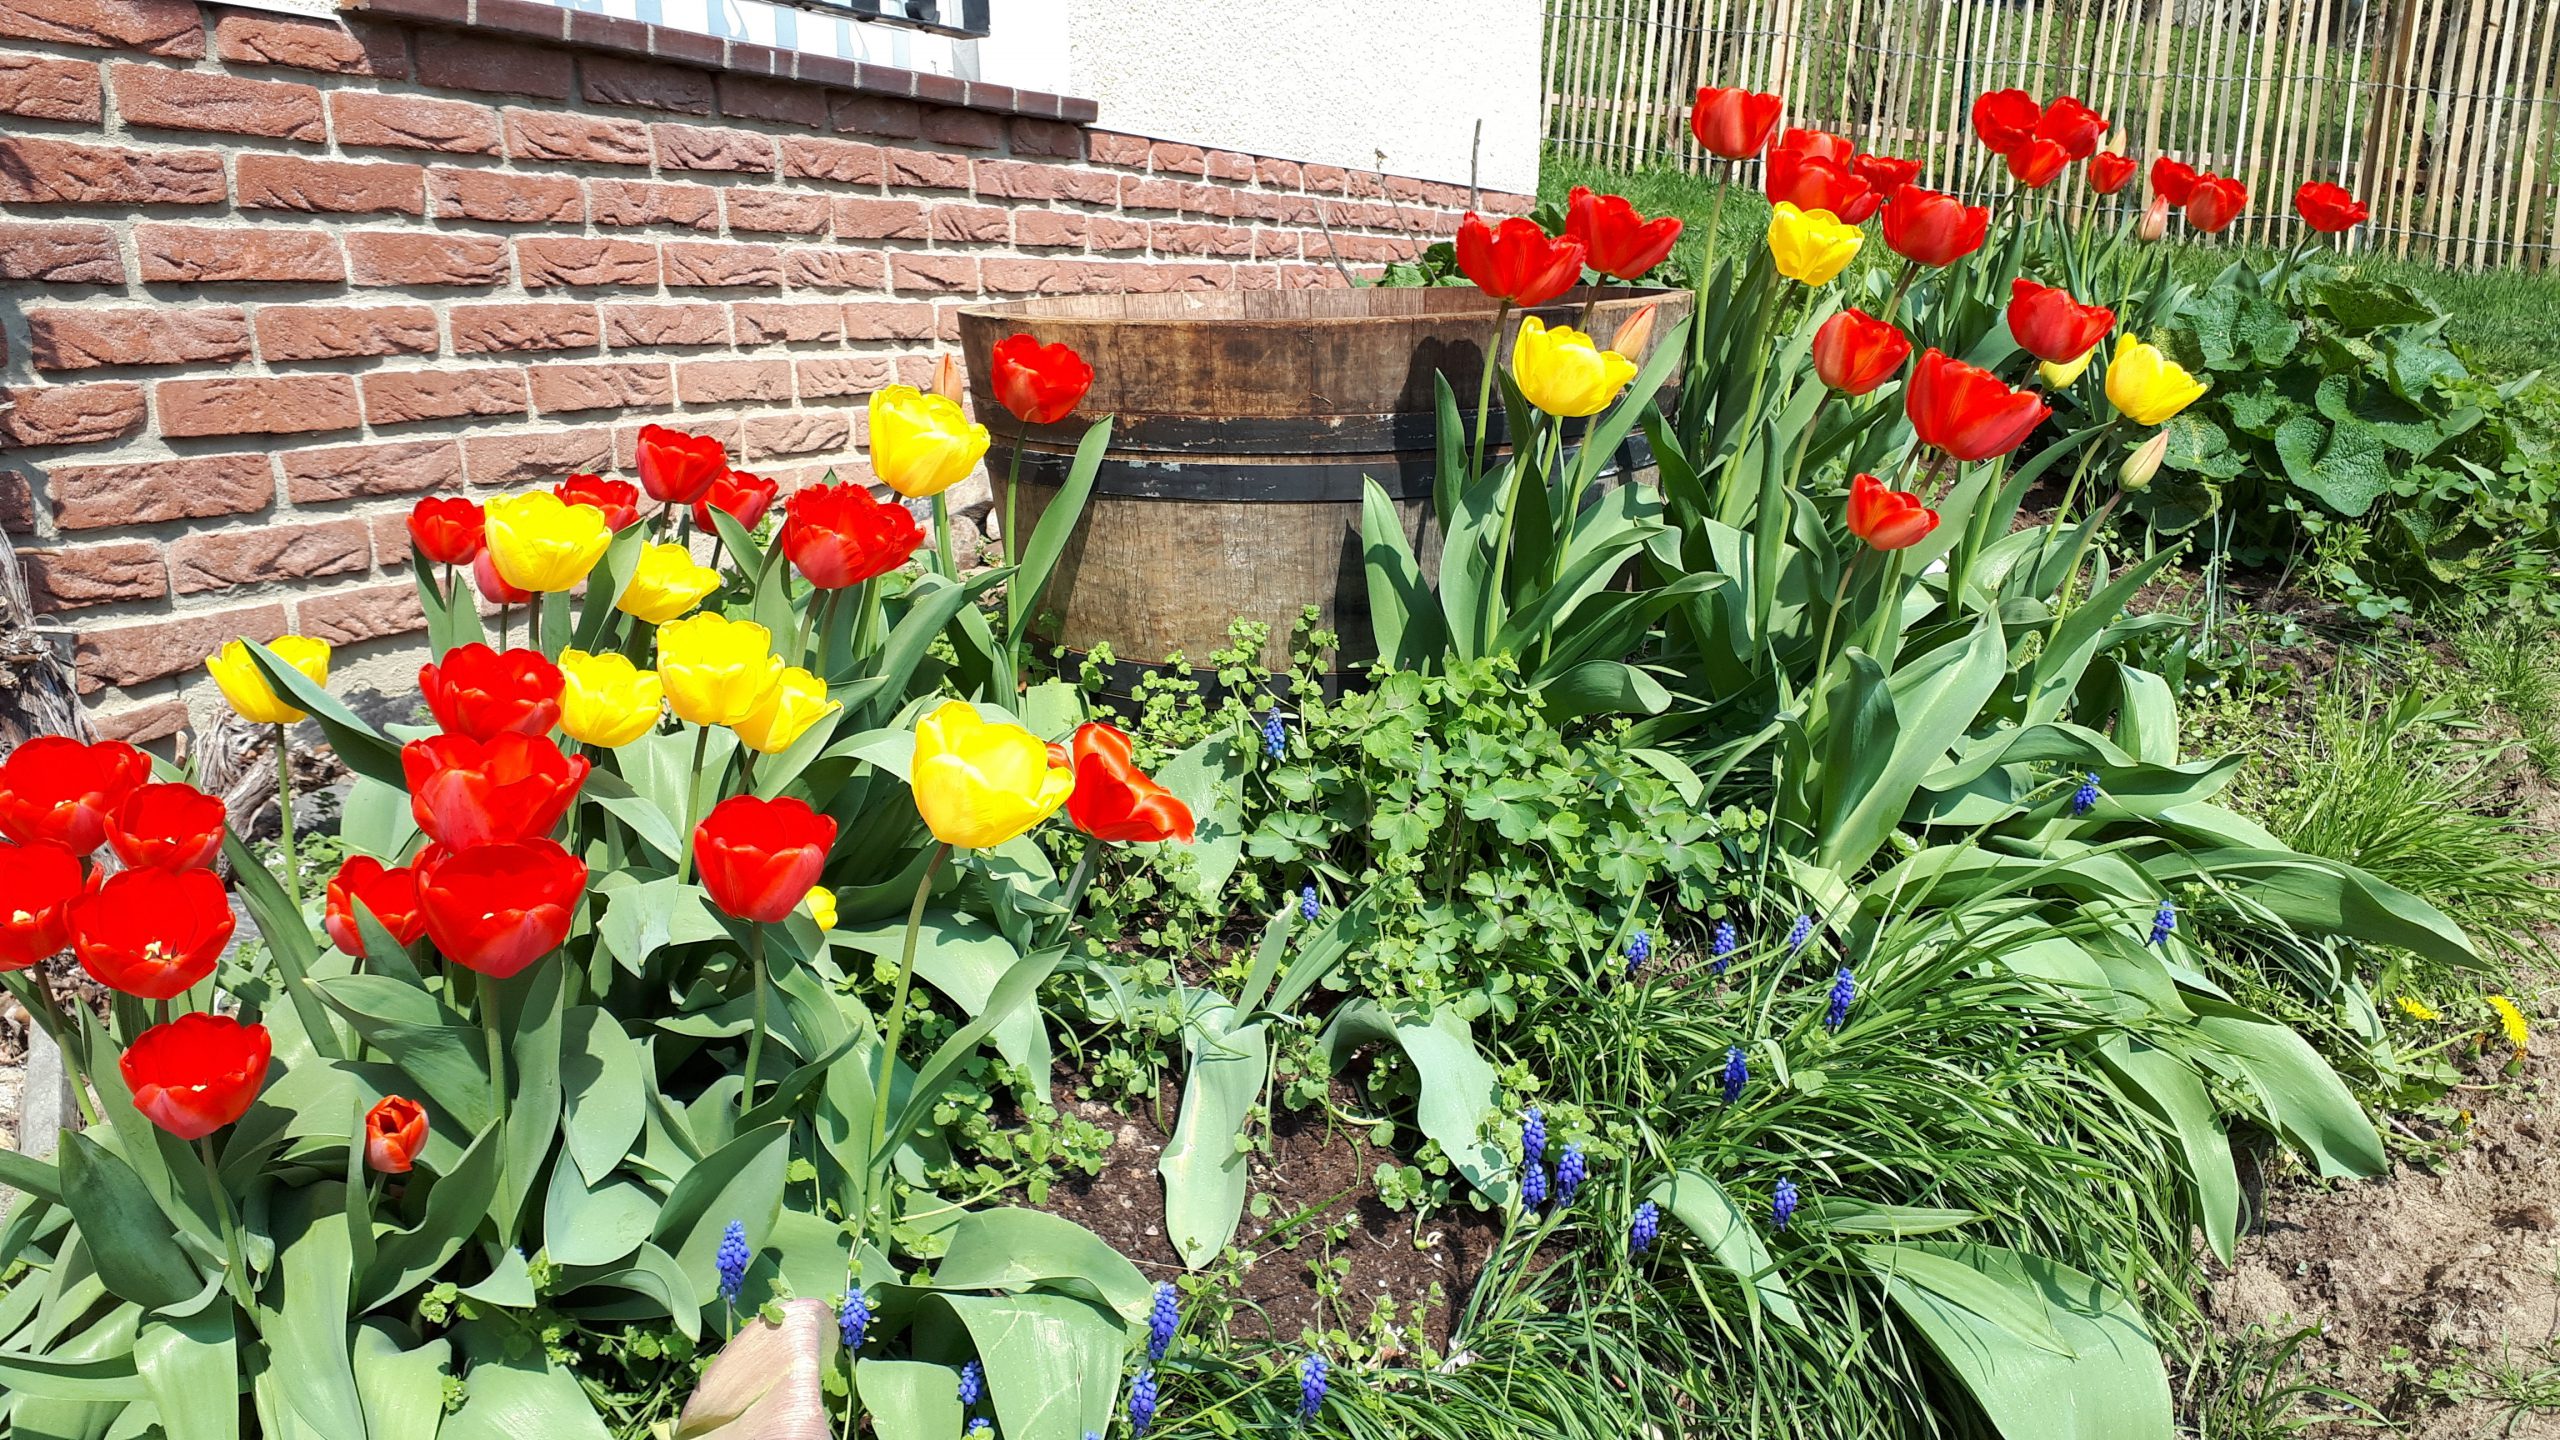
point(267, 280)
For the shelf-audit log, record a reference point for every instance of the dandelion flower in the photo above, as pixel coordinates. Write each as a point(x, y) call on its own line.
point(2511, 1020)
point(2417, 1009)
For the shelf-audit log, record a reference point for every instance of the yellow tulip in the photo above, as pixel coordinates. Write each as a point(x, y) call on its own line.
point(2059, 377)
point(821, 905)
point(540, 542)
point(665, 584)
point(979, 784)
point(797, 703)
point(247, 688)
point(605, 699)
point(1812, 247)
point(716, 671)
point(2147, 386)
point(1563, 372)
point(922, 444)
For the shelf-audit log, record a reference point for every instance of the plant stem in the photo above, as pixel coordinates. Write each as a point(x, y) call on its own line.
point(72, 1041)
point(1830, 619)
point(755, 1037)
point(1076, 881)
point(1901, 287)
point(692, 798)
point(942, 537)
point(284, 811)
point(2071, 491)
point(497, 1045)
point(235, 1273)
point(892, 1033)
point(1484, 394)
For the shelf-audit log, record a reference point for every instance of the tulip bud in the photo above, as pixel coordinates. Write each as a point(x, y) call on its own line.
point(2144, 463)
point(2155, 220)
point(946, 378)
point(1634, 336)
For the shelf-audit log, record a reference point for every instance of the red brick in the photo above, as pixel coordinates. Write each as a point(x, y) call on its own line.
point(712, 264)
point(766, 322)
point(1276, 244)
point(1020, 180)
point(619, 386)
point(261, 554)
point(814, 268)
point(330, 332)
point(157, 27)
point(610, 80)
point(1331, 179)
point(1046, 137)
point(354, 48)
point(45, 89)
point(413, 122)
point(355, 472)
point(1223, 240)
point(76, 337)
point(17, 503)
point(860, 219)
point(847, 162)
point(888, 320)
point(1110, 148)
point(875, 115)
point(1136, 194)
point(1110, 232)
point(370, 612)
point(938, 272)
point(507, 198)
point(69, 414)
point(777, 212)
point(396, 397)
point(1089, 187)
point(60, 254)
point(725, 382)
point(289, 182)
point(205, 254)
point(83, 575)
point(419, 257)
point(494, 65)
point(647, 202)
point(1228, 165)
point(967, 129)
point(166, 645)
point(927, 170)
point(1365, 184)
point(1032, 277)
point(142, 724)
point(584, 139)
point(1049, 229)
point(99, 497)
point(785, 102)
point(696, 147)
point(545, 260)
point(1167, 157)
point(154, 97)
point(798, 432)
point(37, 171)
point(971, 222)
point(243, 405)
point(666, 325)
point(501, 460)
point(514, 325)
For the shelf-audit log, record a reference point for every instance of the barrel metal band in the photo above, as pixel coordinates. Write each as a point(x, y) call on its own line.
point(1404, 475)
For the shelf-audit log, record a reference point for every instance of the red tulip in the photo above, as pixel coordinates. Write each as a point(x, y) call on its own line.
point(467, 792)
point(840, 535)
point(1733, 123)
point(1516, 260)
point(1615, 239)
point(390, 893)
point(478, 692)
point(394, 1132)
point(2005, 119)
point(2329, 208)
point(1854, 352)
point(197, 1073)
point(1114, 799)
point(1040, 384)
point(498, 908)
point(2073, 126)
point(744, 497)
point(2050, 325)
point(1806, 141)
point(618, 499)
point(679, 468)
point(494, 586)
point(2036, 163)
point(1884, 174)
point(57, 789)
point(1966, 410)
point(152, 933)
point(2110, 172)
point(1933, 229)
point(2216, 201)
point(1886, 518)
point(1810, 170)
point(759, 858)
point(2173, 180)
point(40, 880)
point(167, 827)
point(447, 530)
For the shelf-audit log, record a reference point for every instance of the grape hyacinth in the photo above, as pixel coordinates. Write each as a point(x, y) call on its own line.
point(1275, 734)
point(1570, 1168)
point(1782, 1203)
point(732, 1261)
point(1639, 950)
point(853, 1321)
point(1533, 1186)
point(1142, 1402)
point(1737, 1073)
point(973, 1383)
point(1647, 1225)
point(1844, 989)
point(2163, 922)
point(1533, 1138)
point(1160, 1322)
point(2085, 799)
point(1311, 1386)
point(982, 1426)
point(1308, 906)
point(1798, 933)
point(1724, 944)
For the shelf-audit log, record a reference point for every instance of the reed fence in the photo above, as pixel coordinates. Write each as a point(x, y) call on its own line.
point(2440, 113)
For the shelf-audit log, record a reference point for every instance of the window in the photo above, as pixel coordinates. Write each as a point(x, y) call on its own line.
point(932, 35)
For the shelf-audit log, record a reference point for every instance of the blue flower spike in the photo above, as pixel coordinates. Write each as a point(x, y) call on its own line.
point(1646, 1227)
point(2164, 921)
point(1844, 991)
point(1725, 942)
point(732, 1261)
point(2085, 799)
point(1142, 1402)
point(853, 1321)
point(1275, 734)
point(1309, 907)
point(973, 1383)
point(982, 1426)
point(1533, 1186)
point(1737, 1073)
point(1162, 1320)
point(1570, 1170)
point(1639, 950)
point(1533, 1138)
point(1798, 933)
point(1782, 1203)
point(1311, 1386)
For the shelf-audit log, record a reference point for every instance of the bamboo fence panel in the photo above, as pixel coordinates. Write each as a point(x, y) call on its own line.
point(2444, 115)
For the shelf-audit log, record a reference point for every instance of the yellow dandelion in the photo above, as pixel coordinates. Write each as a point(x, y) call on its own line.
point(2511, 1020)
point(2417, 1009)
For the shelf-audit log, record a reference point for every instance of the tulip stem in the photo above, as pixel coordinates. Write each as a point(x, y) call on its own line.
point(235, 1271)
point(1076, 883)
point(1831, 618)
point(497, 1045)
point(892, 1033)
point(72, 1041)
point(2071, 492)
point(755, 1037)
point(1901, 287)
point(942, 537)
point(284, 812)
point(1484, 393)
point(692, 802)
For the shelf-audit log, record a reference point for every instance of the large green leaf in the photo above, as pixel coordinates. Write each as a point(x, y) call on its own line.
point(130, 1238)
point(402, 1390)
point(604, 1089)
point(191, 1366)
point(2304, 1097)
point(1404, 614)
point(1889, 735)
point(435, 1046)
point(457, 1204)
point(1203, 1165)
point(1208, 777)
point(1016, 1249)
point(366, 750)
point(908, 1399)
point(1052, 1362)
point(1703, 1207)
point(741, 1181)
point(1460, 1093)
point(2170, 1091)
point(306, 1306)
point(965, 959)
point(515, 1391)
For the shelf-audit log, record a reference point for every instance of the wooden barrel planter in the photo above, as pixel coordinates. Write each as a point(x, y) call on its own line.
point(1245, 422)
